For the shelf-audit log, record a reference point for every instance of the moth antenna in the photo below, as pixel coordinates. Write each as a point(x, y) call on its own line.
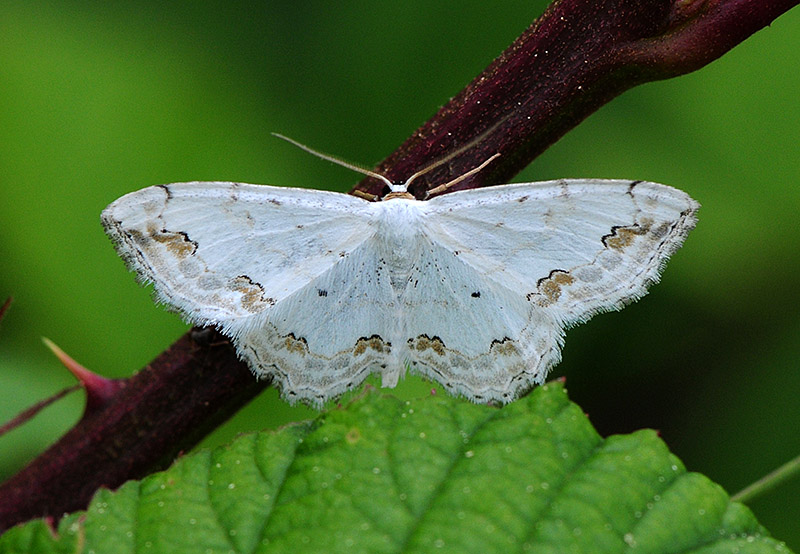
point(473, 171)
point(337, 161)
point(453, 154)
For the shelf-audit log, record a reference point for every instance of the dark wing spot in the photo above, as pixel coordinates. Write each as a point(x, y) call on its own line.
point(550, 286)
point(295, 344)
point(621, 237)
point(560, 276)
point(166, 189)
point(632, 186)
point(505, 347)
point(476, 294)
point(424, 342)
point(253, 298)
point(374, 342)
point(178, 243)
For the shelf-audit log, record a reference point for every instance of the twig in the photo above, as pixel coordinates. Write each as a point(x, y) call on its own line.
point(768, 482)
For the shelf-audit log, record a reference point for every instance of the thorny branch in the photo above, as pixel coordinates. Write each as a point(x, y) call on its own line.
point(579, 55)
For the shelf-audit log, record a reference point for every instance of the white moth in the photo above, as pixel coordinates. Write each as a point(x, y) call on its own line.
point(472, 289)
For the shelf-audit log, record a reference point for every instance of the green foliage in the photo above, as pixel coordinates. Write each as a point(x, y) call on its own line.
point(438, 474)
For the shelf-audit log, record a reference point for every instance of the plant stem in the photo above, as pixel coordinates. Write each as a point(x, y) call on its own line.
point(768, 482)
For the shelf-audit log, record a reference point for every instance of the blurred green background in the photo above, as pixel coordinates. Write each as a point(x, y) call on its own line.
point(98, 99)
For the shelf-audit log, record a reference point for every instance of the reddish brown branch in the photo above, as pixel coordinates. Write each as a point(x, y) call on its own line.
point(579, 55)
point(167, 407)
point(575, 58)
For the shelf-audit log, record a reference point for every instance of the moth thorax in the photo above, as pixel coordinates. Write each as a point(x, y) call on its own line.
point(400, 227)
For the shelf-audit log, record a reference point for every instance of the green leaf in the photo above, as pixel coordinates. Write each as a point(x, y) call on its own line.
point(431, 475)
